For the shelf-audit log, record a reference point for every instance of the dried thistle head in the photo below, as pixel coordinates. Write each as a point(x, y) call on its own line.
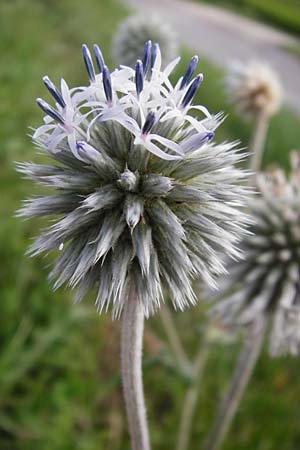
point(267, 281)
point(139, 192)
point(134, 31)
point(254, 88)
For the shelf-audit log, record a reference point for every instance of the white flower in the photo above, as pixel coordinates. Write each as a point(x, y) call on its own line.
point(140, 194)
point(254, 88)
point(66, 121)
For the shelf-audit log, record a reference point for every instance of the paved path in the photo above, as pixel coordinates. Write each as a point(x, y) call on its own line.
point(224, 36)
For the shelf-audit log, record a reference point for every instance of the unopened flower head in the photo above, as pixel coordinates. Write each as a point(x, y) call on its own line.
point(139, 193)
point(267, 281)
point(134, 31)
point(254, 88)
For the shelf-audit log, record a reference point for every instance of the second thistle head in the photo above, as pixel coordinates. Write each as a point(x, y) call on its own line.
point(254, 88)
point(267, 281)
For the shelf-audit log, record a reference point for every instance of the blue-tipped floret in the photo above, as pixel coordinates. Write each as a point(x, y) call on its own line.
point(189, 72)
point(149, 122)
point(192, 90)
point(54, 91)
point(154, 51)
point(146, 55)
point(139, 77)
point(196, 141)
point(107, 84)
point(88, 62)
point(50, 111)
point(99, 58)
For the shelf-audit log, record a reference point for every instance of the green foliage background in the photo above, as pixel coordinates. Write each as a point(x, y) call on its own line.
point(283, 13)
point(59, 370)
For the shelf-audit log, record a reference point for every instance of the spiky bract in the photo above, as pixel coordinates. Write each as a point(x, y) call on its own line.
point(134, 31)
point(142, 194)
point(254, 88)
point(267, 281)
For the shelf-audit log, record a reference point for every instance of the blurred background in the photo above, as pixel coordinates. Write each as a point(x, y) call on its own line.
point(59, 364)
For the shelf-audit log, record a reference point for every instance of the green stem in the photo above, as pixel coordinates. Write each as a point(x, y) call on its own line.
point(174, 340)
point(190, 400)
point(229, 404)
point(258, 140)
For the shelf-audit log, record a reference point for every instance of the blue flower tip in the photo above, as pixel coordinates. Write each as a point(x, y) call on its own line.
point(96, 49)
point(99, 57)
point(149, 122)
point(80, 145)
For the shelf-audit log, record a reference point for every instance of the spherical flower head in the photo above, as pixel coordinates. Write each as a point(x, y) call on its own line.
point(134, 31)
point(139, 194)
point(254, 88)
point(266, 282)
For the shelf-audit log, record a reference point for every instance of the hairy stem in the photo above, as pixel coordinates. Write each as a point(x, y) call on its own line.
point(190, 400)
point(258, 140)
point(174, 340)
point(229, 404)
point(131, 359)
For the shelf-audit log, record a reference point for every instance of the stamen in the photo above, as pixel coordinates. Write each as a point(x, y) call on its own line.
point(88, 62)
point(189, 71)
point(107, 84)
point(54, 91)
point(99, 58)
point(192, 90)
point(149, 122)
point(146, 55)
point(154, 54)
point(50, 111)
point(139, 77)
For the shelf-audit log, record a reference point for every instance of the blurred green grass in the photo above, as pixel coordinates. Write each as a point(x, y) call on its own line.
point(283, 14)
point(59, 379)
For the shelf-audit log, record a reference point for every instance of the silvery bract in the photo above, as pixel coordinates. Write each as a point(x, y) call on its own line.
point(142, 194)
point(134, 31)
point(254, 88)
point(267, 280)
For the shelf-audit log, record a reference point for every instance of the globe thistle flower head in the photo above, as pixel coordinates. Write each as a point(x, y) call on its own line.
point(134, 31)
point(267, 281)
point(254, 88)
point(139, 193)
